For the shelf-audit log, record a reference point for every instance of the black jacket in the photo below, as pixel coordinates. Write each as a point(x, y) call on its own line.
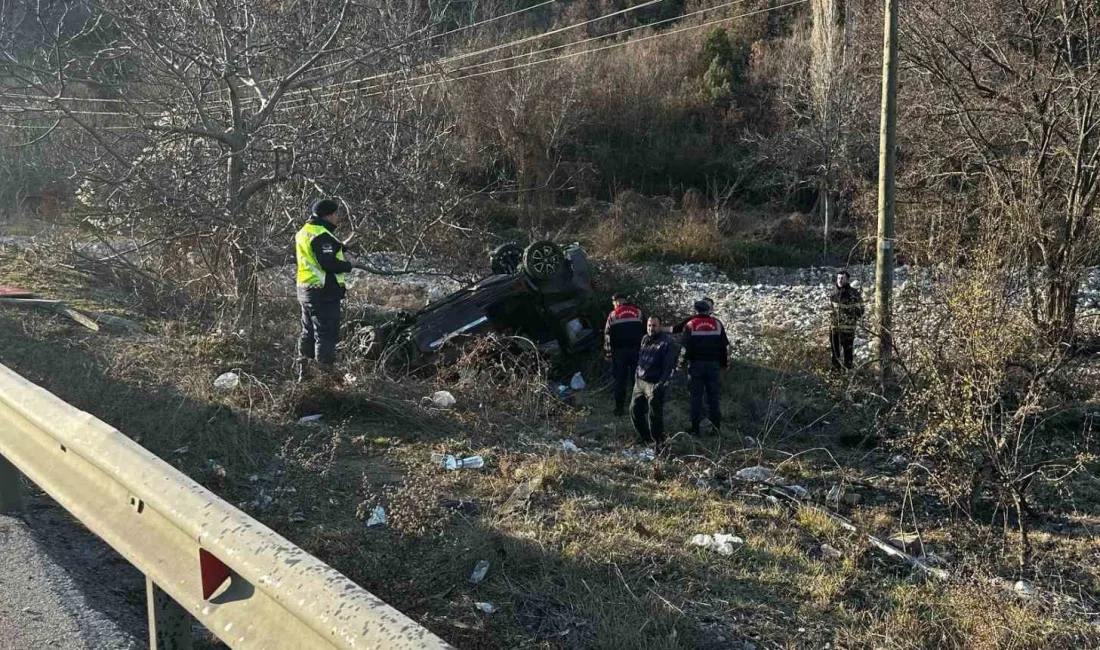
point(657, 358)
point(325, 248)
point(704, 339)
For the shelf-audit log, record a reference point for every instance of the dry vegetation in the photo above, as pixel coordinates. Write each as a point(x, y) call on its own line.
point(587, 550)
point(749, 144)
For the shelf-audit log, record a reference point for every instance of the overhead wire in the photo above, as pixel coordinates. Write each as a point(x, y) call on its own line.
point(412, 86)
point(562, 46)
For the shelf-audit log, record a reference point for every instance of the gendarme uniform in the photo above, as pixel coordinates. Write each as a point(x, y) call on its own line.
point(321, 275)
point(706, 351)
point(623, 334)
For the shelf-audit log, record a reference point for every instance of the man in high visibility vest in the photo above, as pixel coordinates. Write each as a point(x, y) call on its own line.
point(322, 266)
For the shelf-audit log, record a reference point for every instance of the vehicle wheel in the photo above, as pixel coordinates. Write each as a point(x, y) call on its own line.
point(396, 361)
point(542, 260)
point(506, 259)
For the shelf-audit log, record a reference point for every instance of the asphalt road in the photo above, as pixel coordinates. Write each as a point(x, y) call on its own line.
point(61, 588)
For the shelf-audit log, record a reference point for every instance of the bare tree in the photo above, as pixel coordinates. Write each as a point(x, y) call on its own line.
point(209, 124)
point(1006, 93)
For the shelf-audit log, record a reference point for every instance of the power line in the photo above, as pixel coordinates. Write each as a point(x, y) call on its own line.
point(593, 50)
point(304, 101)
point(427, 39)
point(600, 49)
point(530, 63)
point(493, 48)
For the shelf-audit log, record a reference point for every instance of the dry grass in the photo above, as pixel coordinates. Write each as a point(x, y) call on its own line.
point(596, 556)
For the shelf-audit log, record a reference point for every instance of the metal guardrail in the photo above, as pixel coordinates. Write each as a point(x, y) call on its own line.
point(201, 556)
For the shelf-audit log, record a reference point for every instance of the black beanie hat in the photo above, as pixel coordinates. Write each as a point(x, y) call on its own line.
point(323, 207)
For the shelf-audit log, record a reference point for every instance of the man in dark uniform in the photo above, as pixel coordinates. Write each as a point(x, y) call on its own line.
point(322, 266)
point(846, 305)
point(678, 328)
point(656, 363)
point(623, 334)
point(706, 351)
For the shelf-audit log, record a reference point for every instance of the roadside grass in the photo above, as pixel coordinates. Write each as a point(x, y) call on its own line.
point(586, 550)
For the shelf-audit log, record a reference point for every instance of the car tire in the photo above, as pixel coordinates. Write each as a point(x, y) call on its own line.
point(506, 259)
point(543, 260)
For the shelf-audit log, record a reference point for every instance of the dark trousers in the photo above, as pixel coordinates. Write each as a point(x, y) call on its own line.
point(704, 384)
point(647, 411)
point(841, 343)
point(320, 331)
point(624, 365)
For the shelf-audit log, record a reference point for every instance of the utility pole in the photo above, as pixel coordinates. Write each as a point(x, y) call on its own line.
point(884, 266)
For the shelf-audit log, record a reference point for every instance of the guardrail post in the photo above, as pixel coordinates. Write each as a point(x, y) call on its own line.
point(169, 624)
point(11, 492)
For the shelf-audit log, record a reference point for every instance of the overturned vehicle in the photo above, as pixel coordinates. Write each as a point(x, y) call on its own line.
point(539, 293)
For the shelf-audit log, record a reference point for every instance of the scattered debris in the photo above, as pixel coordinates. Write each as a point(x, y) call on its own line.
point(378, 517)
point(833, 497)
point(521, 495)
point(216, 468)
point(54, 305)
point(350, 378)
point(181, 450)
point(441, 399)
point(720, 542)
point(909, 542)
point(306, 419)
point(116, 322)
point(899, 461)
point(569, 447)
point(227, 381)
point(830, 552)
point(487, 608)
point(798, 491)
point(450, 462)
point(914, 562)
point(643, 456)
point(1022, 588)
point(577, 382)
point(252, 478)
point(757, 474)
point(479, 572)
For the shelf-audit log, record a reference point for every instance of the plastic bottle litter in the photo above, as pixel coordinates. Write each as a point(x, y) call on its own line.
point(449, 462)
point(757, 474)
point(577, 382)
point(488, 608)
point(306, 419)
point(227, 381)
point(799, 491)
point(719, 542)
point(479, 572)
point(378, 517)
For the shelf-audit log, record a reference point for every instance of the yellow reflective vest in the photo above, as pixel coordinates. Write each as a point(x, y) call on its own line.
point(310, 273)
